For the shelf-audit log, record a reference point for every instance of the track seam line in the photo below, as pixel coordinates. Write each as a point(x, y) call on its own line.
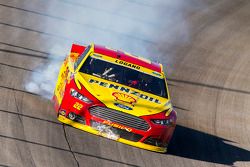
point(66, 150)
point(36, 31)
point(29, 116)
point(70, 149)
point(209, 86)
point(23, 91)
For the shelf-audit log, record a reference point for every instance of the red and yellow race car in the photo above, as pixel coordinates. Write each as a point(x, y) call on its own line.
point(116, 95)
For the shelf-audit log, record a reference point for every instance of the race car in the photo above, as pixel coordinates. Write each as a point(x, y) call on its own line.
point(116, 95)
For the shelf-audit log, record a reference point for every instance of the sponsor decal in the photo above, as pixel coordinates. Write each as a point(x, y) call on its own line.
point(123, 106)
point(124, 97)
point(128, 64)
point(126, 90)
point(115, 125)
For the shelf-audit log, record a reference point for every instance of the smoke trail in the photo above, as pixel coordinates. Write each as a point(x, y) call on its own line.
point(140, 27)
point(43, 80)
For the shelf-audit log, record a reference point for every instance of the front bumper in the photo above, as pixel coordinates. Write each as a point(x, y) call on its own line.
point(96, 132)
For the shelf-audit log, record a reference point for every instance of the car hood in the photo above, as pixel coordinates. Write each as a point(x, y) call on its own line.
point(121, 97)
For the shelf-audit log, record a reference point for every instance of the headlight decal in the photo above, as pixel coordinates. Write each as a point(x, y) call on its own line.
point(79, 96)
point(167, 122)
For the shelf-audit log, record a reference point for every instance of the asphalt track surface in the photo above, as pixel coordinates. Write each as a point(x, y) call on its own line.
point(208, 73)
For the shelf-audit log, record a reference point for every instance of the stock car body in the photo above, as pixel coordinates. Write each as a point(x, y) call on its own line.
point(116, 95)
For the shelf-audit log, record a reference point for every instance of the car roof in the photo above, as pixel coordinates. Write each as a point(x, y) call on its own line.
point(128, 58)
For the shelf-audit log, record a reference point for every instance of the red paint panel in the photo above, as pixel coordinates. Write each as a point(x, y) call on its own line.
point(77, 48)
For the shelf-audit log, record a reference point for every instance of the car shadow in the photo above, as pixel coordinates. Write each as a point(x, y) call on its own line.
point(197, 145)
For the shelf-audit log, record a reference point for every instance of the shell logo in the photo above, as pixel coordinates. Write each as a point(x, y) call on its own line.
point(124, 97)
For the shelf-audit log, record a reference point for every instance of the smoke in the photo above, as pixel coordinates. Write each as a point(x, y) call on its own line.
point(43, 80)
point(142, 28)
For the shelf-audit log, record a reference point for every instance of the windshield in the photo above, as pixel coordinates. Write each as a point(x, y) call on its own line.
point(125, 76)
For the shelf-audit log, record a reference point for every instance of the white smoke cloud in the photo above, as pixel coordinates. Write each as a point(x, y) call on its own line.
point(139, 27)
point(43, 80)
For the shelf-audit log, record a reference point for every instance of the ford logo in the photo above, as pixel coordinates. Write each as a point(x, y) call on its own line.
point(122, 106)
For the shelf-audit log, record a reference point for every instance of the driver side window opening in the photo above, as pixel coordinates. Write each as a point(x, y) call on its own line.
point(81, 57)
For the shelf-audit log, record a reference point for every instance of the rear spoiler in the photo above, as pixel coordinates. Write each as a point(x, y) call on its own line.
point(77, 48)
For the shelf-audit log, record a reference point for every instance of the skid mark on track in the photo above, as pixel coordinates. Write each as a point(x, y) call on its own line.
point(21, 47)
point(180, 108)
point(22, 53)
point(17, 108)
point(2, 165)
point(22, 127)
point(66, 138)
point(17, 67)
point(84, 6)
